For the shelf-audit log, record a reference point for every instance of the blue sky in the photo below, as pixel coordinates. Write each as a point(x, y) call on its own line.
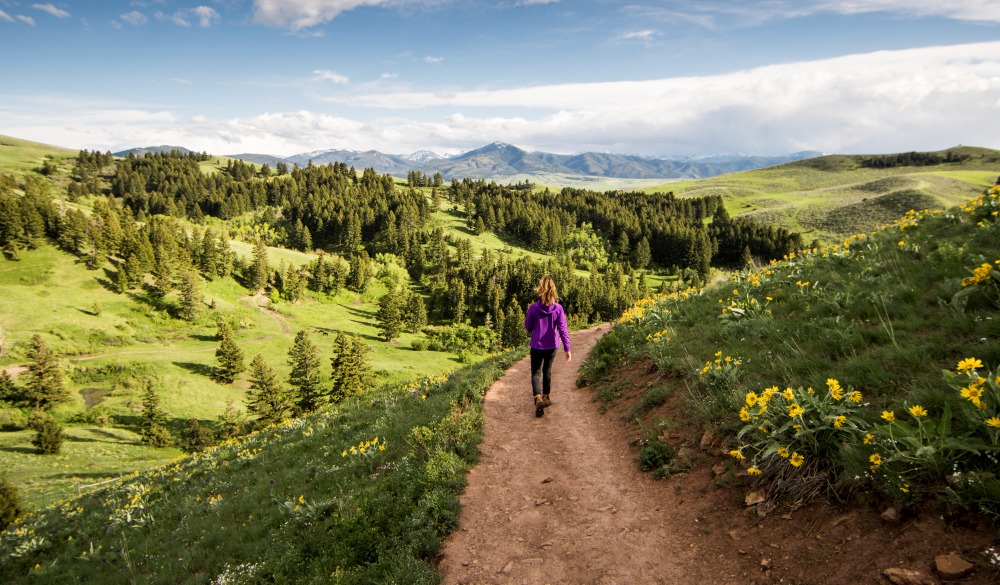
point(652, 77)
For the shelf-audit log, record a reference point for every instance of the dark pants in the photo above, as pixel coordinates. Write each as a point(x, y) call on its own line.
point(541, 370)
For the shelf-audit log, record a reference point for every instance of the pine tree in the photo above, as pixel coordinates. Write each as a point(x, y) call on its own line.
point(416, 313)
point(153, 421)
point(266, 398)
point(10, 503)
point(196, 437)
point(512, 332)
point(390, 319)
point(259, 270)
point(229, 354)
point(308, 393)
point(232, 423)
point(49, 433)
point(45, 386)
point(351, 371)
point(190, 296)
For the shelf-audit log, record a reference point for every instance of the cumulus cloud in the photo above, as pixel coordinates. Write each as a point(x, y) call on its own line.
point(433, 60)
point(26, 19)
point(135, 18)
point(298, 14)
point(5, 17)
point(57, 12)
point(206, 15)
point(917, 99)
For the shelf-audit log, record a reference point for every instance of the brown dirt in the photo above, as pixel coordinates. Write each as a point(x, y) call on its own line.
point(560, 499)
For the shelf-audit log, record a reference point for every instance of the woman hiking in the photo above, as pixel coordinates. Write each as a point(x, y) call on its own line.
point(545, 321)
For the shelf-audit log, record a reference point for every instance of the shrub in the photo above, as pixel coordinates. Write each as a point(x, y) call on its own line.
point(10, 503)
point(654, 455)
point(12, 419)
point(418, 345)
point(157, 435)
point(49, 434)
point(196, 437)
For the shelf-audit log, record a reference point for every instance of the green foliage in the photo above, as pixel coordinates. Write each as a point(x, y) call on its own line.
point(196, 437)
point(878, 313)
point(308, 393)
point(313, 507)
point(45, 387)
point(266, 397)
point(152, 421)
point(229, 354)
point(654, 455)
point(351, 373)
point(460, 337)
point(389, 315)
point(10, 503)
point(49, 433)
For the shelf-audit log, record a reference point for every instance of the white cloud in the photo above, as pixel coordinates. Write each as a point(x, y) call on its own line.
point(298, 14)
point(26, 19)
point(57, 12)
point(135, 18)
point(327, 75)
point(534, 2)
point(205, 15)
point(433, 60)
point(5, 17)
point(644, 36)
point(115, 25)
point(715, 13)
point(181, 81)
point(889, 101)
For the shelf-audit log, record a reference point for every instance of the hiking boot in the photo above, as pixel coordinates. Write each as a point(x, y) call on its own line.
point(545, 400)
point(539, 405)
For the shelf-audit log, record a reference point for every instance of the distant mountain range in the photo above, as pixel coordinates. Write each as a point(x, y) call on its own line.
point(500, 160)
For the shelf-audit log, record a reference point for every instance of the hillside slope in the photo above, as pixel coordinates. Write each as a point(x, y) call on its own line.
point(830, 197)
point(863, 372)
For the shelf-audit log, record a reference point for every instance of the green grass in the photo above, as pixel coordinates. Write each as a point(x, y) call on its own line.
point(35, 298)
point(21, 157)
point(296, 502)
point(808, 196)
point(882, 318)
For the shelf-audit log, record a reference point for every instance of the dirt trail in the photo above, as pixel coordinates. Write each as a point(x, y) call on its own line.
point(560, 499)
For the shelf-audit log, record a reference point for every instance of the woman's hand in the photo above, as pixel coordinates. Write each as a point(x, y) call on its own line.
point(569, 356)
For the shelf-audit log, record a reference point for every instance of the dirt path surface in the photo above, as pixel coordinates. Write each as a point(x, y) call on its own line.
point(560, 499)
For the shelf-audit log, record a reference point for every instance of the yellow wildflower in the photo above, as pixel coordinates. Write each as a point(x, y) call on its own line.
point(736, 455)
point(855, 397)
point(788, 394)
point(751, 398)
point(835, 390)
point(918, 411)
point(969, 364)
point(888, 415)
point(993, 422)
point(745, 414)
point(868, 438)
point(795, 410)
point(876, 459)
point(839, 421)
point(783, 452)
point(796, 460)
point(754, 471)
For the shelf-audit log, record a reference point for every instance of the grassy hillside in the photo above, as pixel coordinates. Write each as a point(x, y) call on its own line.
point(364, 494)
point(23, 156)
point(829, 197)
point(112, 342)
point(867, 366)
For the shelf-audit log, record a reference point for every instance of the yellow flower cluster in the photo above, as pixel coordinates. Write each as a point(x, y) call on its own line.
point(981, 273)
point(655, 338)
point(364, 447)
point(719, 364)
point(986, 207)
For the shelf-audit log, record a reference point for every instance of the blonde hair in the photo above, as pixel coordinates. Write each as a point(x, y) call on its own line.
point(547, 290)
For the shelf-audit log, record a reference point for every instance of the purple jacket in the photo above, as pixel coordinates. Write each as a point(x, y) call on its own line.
point(544, 323)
